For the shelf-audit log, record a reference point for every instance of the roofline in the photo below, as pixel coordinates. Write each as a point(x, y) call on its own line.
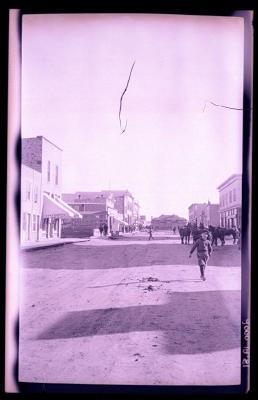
point(227, 181)
point(119, 192)
point(197, 204)
point(43, 137)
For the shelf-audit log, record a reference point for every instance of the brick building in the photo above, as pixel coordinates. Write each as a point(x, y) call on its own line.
point(96, 208)
point(42, 208)
point(124, 204)
point(205, 213)
point(197, 212)
point(230, 203)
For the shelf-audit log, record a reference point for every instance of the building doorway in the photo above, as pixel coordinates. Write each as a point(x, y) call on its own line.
point(37, 227)
point(28, 227)
point(51, 228)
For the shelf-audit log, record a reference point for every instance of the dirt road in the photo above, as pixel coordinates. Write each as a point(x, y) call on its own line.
point(106, 312)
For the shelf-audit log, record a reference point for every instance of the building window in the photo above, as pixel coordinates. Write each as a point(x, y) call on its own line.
point(56, 179)
point(24, 221)
point(34, 218)
point(230, 196)
point(234, 194)
point(35, 194)
point(81, 207)
point(28, 189)
point(48, 171)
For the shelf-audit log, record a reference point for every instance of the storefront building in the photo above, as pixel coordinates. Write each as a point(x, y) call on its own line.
point(42, 208)
point(96, 208)
point(197, 212)
point(230, 207)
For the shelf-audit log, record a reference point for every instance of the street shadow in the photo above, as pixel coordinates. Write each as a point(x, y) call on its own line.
point(190, 323)
point(74, 257)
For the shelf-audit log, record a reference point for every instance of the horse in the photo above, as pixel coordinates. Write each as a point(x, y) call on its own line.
point(197, 231)
point(216, 234)
point(230, 232)
point(185, 233)
point(220, 233)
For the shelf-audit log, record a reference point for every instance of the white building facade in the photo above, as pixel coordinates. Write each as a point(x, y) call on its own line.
point(42, 208)
point(230, 207)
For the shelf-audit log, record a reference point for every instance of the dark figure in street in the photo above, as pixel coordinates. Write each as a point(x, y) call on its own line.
point(105, 229)
point(101, 228)
point(174, 230)
point(185, 233)
point(204, 249)
point(150, 232)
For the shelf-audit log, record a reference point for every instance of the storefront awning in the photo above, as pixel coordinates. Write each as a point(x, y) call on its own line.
point(121, 221)
point(57, 208)
point(64, 204)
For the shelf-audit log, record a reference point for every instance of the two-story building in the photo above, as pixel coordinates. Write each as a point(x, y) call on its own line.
point(124, 204)
point(204, 213)
point(197, 212)
point(230, 201)
point(96, 208)
point(42, 208)
point(167, 222)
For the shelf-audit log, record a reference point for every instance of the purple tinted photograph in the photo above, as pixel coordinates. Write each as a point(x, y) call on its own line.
point(125, 264)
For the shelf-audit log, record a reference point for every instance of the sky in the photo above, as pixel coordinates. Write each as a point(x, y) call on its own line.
point(177, 147)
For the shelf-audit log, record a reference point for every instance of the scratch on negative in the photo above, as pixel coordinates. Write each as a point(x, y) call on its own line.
point(221, 105)
point(120, 108)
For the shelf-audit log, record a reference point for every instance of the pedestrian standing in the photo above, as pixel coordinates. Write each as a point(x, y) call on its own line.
point(204, 249)
point(150, 233)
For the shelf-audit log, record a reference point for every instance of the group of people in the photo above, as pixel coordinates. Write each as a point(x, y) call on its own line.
point(103, 229)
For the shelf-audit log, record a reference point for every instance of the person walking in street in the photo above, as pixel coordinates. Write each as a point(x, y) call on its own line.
point(101, 229)
point(150, 233)
point(204, 249)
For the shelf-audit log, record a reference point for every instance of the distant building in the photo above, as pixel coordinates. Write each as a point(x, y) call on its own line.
point(197, 212)
point(167, 222)
point(42, 209)
point(211, 215)
point(124, 204)
point(136, 213)
point(230, 206)
point(142, 220)
point(96, 208)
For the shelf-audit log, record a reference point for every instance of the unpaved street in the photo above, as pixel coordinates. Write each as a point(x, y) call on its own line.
point(129, 312)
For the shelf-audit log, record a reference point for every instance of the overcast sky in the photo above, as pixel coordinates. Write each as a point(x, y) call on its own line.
point(174, 151)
